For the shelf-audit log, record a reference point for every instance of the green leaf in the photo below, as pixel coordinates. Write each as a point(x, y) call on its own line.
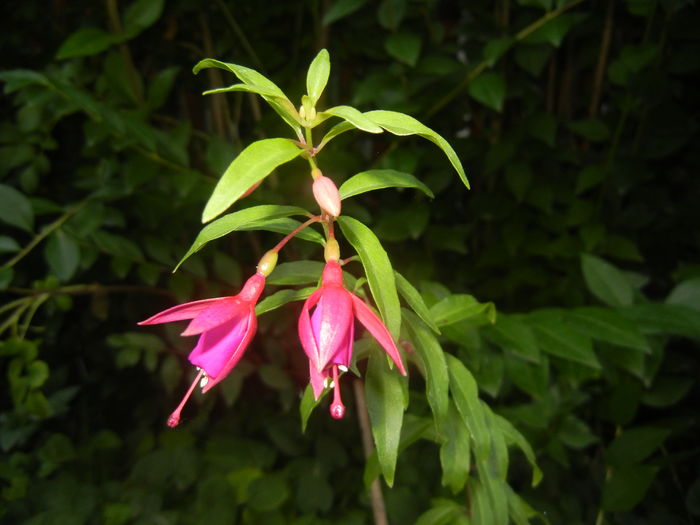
point(317, 75)
point(268, 492)
point(354, 117)
point(455, 456)
point(237, 221)
point(386, 405)
point(592, 129)
point(496, 48)
point(380, 274)
point(6, 276)
point(258, 90)
point(514, 335)
point(556, 338)
point(513, 437)
point(489, 89)
point(379, 179)
point(457, 307)
point(414, 299)
point(674, 319)
point(634, 445)
point(606, 282)
point(253, 164)
point(141, 15)
point(8, 244)
point(465, 394)
point(296, 272)
point(432, 356)
point(63, 255)
point(15, 208)
point(627, 487)
point(403, 125)
point(608, 325)
point(260, 84)
point(282, 297)
point(686, 293)
point(336, 130)
point(390, 13)
point(340, 9)
point(404, 47)
point(286, 226)
point(85, 42)
point(554, 30)
point(444, 512)
point(308, 404)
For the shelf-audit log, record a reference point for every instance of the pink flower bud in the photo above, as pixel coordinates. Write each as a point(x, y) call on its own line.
point(327, 196)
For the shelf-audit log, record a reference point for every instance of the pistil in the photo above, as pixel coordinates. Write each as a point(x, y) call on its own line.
point(174, 418)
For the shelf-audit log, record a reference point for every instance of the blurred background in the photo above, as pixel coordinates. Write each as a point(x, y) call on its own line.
point(577, 125)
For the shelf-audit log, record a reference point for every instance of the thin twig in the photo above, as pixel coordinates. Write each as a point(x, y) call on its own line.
point(602, 61)
point(80, 289)
point(228, 15)
point(375, 494)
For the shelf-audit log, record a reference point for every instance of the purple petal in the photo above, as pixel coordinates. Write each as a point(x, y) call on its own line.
point(218, 350)
point(182, 311)
point(217, 314)
point(374, 326)
point(344, 354)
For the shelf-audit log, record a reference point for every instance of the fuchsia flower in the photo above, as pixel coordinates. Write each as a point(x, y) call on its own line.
point(225, 326)
point(327, 333)
point(326, 194)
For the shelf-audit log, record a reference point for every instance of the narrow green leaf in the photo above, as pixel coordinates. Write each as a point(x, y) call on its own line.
point(308, 404)
point(686, 293)
point(402, 124)
point(285, 226)
point(455, 458)
point(340, 9)
point(432, 356)
point(354, 117)
point(377, 266)
point(317, 75)
point(8, 244)
point(85, 42)
point(634, 445)
point(336, 130)
point(444, 512)
point(379, 179)
point(15, 208)
point(465, 394)
point(414, 299)
point(556, 338)
point(606, 282)
point(296, 272)
point(253, 164)
point(489, 89)
point(496, 48)
point(513, 437)
point(608, 325)
point(63, 255)
point(258, 90)
point(385, 404)
point(458, 307)
point(276, 97)
point(236, 221)
point(282, 297)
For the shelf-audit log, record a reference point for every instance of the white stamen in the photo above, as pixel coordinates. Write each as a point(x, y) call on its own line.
point(342, 368)
point(332, 385)
point(203, 381)
point(326, 382)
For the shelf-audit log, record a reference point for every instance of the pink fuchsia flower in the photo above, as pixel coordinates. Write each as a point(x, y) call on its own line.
point(225, 326)
point(327, 333)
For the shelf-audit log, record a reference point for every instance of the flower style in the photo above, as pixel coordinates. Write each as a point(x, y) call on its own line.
point(327, 333)
point(225, 326)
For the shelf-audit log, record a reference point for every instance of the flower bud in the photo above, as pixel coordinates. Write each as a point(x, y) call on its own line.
point(267, 263)
point(327, 196)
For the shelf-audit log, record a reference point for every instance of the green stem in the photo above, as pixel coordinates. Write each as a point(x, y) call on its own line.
point(483, 65)
point(79, 289)
point(44, 233)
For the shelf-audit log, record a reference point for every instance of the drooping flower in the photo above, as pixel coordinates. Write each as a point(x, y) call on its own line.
point(327, 333)
point(225, 326)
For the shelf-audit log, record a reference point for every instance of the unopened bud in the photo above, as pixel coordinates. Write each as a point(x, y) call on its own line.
point(332, 251)
point(327, 196)
point(267, 263)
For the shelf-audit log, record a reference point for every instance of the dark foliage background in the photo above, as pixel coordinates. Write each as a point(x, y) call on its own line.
point(577, 124)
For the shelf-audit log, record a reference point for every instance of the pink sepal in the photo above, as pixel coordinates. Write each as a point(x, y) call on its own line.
point(181, 312)
point(225, 309)
point(379, 331)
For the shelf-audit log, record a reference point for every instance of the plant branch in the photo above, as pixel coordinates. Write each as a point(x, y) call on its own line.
point(80, 289)
point(484, 64)
point(602, 61)
point(375, 494)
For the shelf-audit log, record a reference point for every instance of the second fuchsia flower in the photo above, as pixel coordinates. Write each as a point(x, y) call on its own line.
point(327, 333)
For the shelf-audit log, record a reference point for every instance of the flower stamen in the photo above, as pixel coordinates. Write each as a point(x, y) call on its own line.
point(174, 418)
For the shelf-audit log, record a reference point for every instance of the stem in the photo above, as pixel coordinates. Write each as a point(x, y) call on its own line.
point(481, 66)
point(375, 490)
point(228, 15)
point(132, 75)
point(291, 235)
point(79, 289)
point(602, 61)
point(44, 233)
